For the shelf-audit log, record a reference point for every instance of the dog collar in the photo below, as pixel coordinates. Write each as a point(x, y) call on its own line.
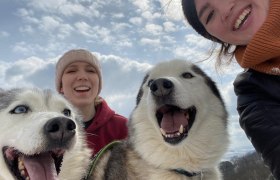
point(186, 173)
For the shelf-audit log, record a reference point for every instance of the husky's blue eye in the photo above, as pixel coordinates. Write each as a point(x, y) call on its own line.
point(67, 112)
point(20, 109)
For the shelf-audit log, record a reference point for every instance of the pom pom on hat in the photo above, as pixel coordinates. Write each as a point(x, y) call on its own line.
point(76, 55)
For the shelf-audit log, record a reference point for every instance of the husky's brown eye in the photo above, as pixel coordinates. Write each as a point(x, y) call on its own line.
point(20, 109)
point(187, 75)
point(67, 112)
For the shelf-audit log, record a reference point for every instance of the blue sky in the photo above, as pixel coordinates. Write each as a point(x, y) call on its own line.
point(128, 36)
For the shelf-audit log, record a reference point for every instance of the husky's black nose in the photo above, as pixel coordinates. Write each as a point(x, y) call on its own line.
point(60, 130)
point(161, 87)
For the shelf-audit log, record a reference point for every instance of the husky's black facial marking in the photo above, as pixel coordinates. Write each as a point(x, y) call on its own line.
point(210, 83)
point(140, 92)
point(7, 97)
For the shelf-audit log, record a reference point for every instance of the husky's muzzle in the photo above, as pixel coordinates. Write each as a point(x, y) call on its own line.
point(174, 121)
point(59, 136)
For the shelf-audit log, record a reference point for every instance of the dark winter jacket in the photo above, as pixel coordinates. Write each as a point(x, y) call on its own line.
point(258, 104)
point(106, 127)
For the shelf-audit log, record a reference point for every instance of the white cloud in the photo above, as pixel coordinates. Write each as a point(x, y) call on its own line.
point(4, 34)
point(198, 41)
point(49, 23)
point(27, 15)
point(85, 29)
point(173, 9)
point(150, 16)
point(27, 29)
point(143, 5)
point(154, 29)
point(151, 42)
point(117, 27)
point(136, 21)
point(67, 7)
point(118, 15)
point(169, 26)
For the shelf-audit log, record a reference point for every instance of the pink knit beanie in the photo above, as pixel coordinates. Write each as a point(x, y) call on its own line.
point(72, 56)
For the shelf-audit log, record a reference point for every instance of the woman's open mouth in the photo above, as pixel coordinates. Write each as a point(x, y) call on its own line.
point(242, 18)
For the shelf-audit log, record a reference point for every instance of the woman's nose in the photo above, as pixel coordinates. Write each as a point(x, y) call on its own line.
point(225, 8)
point(82, 75)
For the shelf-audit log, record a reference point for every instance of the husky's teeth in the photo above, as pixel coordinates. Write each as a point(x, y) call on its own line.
point(20, 165)
point(162, 132)
point(22, 172)
point(181, 130)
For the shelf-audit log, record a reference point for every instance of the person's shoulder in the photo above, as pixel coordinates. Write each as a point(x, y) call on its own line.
point(120, 117)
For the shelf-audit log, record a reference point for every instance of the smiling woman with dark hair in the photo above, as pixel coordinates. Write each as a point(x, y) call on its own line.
point(248, 30)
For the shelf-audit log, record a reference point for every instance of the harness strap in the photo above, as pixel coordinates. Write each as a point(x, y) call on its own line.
point(186, 173)
point(97, 157)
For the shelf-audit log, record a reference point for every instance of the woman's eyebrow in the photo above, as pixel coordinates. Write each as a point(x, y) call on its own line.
point(202, 10)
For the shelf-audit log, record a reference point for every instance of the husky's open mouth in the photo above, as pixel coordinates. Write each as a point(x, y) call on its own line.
point(175, 122)
point(43, 166)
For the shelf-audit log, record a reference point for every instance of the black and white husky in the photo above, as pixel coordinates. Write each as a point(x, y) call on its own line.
point(178, 129)
point(41, 137)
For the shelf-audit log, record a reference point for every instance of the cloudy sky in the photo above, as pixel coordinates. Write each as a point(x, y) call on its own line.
point(128, 36)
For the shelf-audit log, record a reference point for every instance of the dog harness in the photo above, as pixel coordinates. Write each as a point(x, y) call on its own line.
point(96, 157)
point(186, 173)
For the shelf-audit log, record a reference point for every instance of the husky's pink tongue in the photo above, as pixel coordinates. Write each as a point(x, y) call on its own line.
point(172, 121)
point(40, 167)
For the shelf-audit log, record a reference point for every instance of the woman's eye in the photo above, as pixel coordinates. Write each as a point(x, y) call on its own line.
point(209, 17)
point(91, 70)
point(20, 109)
point(71, 71)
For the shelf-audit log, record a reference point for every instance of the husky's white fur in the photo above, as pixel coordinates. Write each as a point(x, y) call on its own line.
point(39, 129)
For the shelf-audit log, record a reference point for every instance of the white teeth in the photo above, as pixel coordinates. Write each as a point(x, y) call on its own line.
point(22, 173)
point(82, 88)
point(181, 130)
point(21, 168)
point(162, 132)
point(20, 165)
point(241, 18)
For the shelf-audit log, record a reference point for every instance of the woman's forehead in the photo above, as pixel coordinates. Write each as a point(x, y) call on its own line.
point(80, 63)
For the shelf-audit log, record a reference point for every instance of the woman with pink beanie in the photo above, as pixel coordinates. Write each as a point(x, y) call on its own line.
point(79, 79)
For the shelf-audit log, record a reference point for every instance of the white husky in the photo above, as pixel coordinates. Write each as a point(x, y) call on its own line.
point(178, 129)
point(41, 137)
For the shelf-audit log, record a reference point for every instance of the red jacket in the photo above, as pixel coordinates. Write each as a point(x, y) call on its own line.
point(106, 127)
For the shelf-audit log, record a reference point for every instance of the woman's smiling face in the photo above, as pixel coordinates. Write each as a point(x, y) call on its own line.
point(232, 21)
point(80, 83)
